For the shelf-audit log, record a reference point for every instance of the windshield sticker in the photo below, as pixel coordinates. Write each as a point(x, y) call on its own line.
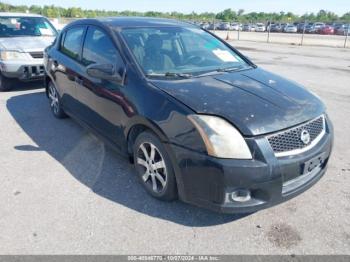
point(225, 55)
point(45, 31)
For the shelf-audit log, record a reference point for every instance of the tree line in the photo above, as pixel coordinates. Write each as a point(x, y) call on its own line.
point(226, 15)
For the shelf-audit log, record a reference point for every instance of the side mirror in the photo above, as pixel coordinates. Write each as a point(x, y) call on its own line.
point(105, 72)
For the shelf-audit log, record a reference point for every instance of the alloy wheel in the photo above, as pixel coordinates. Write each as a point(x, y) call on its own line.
point(152, 164)
point(54, 103)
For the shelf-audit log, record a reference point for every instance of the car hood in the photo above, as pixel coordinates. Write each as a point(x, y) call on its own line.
point(255, 101)
point(26, 43)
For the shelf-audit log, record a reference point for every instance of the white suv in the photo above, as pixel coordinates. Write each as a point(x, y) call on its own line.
point(23, 38)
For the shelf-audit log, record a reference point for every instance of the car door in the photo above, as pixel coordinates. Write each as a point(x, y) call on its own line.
point(104, 103)
point(66, 64)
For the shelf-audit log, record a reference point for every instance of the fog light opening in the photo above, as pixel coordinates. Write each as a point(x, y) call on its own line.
point(241, 195)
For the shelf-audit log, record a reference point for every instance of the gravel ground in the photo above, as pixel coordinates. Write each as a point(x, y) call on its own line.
point(64, 192)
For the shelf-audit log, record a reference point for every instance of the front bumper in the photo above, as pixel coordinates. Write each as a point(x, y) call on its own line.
point(23, 70)
point(209, 182)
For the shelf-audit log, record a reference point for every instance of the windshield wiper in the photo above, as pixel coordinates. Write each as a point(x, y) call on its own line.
point(232, 69)
point(170, 74)
point(23, 35)
point(224, 69)
point(183, 75)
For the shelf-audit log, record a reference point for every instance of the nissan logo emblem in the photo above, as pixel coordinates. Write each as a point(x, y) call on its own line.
point(305, 137)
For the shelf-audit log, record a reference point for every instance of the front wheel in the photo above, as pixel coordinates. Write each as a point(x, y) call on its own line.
point(5, 83)
point(154, 167)
point(55, 101)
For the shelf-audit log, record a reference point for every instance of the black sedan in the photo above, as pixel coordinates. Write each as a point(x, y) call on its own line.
point(198, 119)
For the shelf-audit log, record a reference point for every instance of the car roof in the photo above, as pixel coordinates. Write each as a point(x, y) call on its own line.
point(11, 14)
point(124, 22)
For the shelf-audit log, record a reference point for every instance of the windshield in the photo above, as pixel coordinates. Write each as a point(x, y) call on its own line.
point(25, 26)
point(179, 50)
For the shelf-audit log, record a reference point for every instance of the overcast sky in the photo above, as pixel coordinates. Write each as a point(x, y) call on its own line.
point(187, 6)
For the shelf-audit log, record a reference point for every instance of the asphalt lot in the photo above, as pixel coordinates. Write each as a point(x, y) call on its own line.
point(287, 38)
point(63, 192)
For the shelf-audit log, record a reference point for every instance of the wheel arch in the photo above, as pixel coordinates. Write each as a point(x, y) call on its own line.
point(139, 125)
point(47, 81)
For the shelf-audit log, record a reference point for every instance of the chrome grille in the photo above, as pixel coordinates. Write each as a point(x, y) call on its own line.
point(289, 142)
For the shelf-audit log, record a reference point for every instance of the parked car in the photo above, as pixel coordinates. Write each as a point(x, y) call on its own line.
point(343, 30)
point(283, 25)
point(260, 27)
point(319, 25)
point(209, 128)
point(276, 28)
point(310, 28)
point(290, 28)
point(236, 26)
point(23, 38)
point(314, 27)
point(248, 27)
point(213, 26)
point(337, 25)
point(326, 30)
point(205, 26)
point(225, 26)
point(300, 27)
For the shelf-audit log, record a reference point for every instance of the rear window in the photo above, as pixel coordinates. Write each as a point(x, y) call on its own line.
point(71, 44)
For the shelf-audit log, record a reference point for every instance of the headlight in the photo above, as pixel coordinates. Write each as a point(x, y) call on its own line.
point(220, 137)
point(13, 55)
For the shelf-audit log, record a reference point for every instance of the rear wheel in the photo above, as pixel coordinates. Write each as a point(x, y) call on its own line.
point(55, 101)
point(154, 167)
point(5, 83)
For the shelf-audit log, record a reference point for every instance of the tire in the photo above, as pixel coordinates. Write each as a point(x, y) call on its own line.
point(154, 170)
point(5, 83)
point(55, 101)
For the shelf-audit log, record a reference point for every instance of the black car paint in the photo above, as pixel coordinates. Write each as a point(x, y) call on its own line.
point(253, 100)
